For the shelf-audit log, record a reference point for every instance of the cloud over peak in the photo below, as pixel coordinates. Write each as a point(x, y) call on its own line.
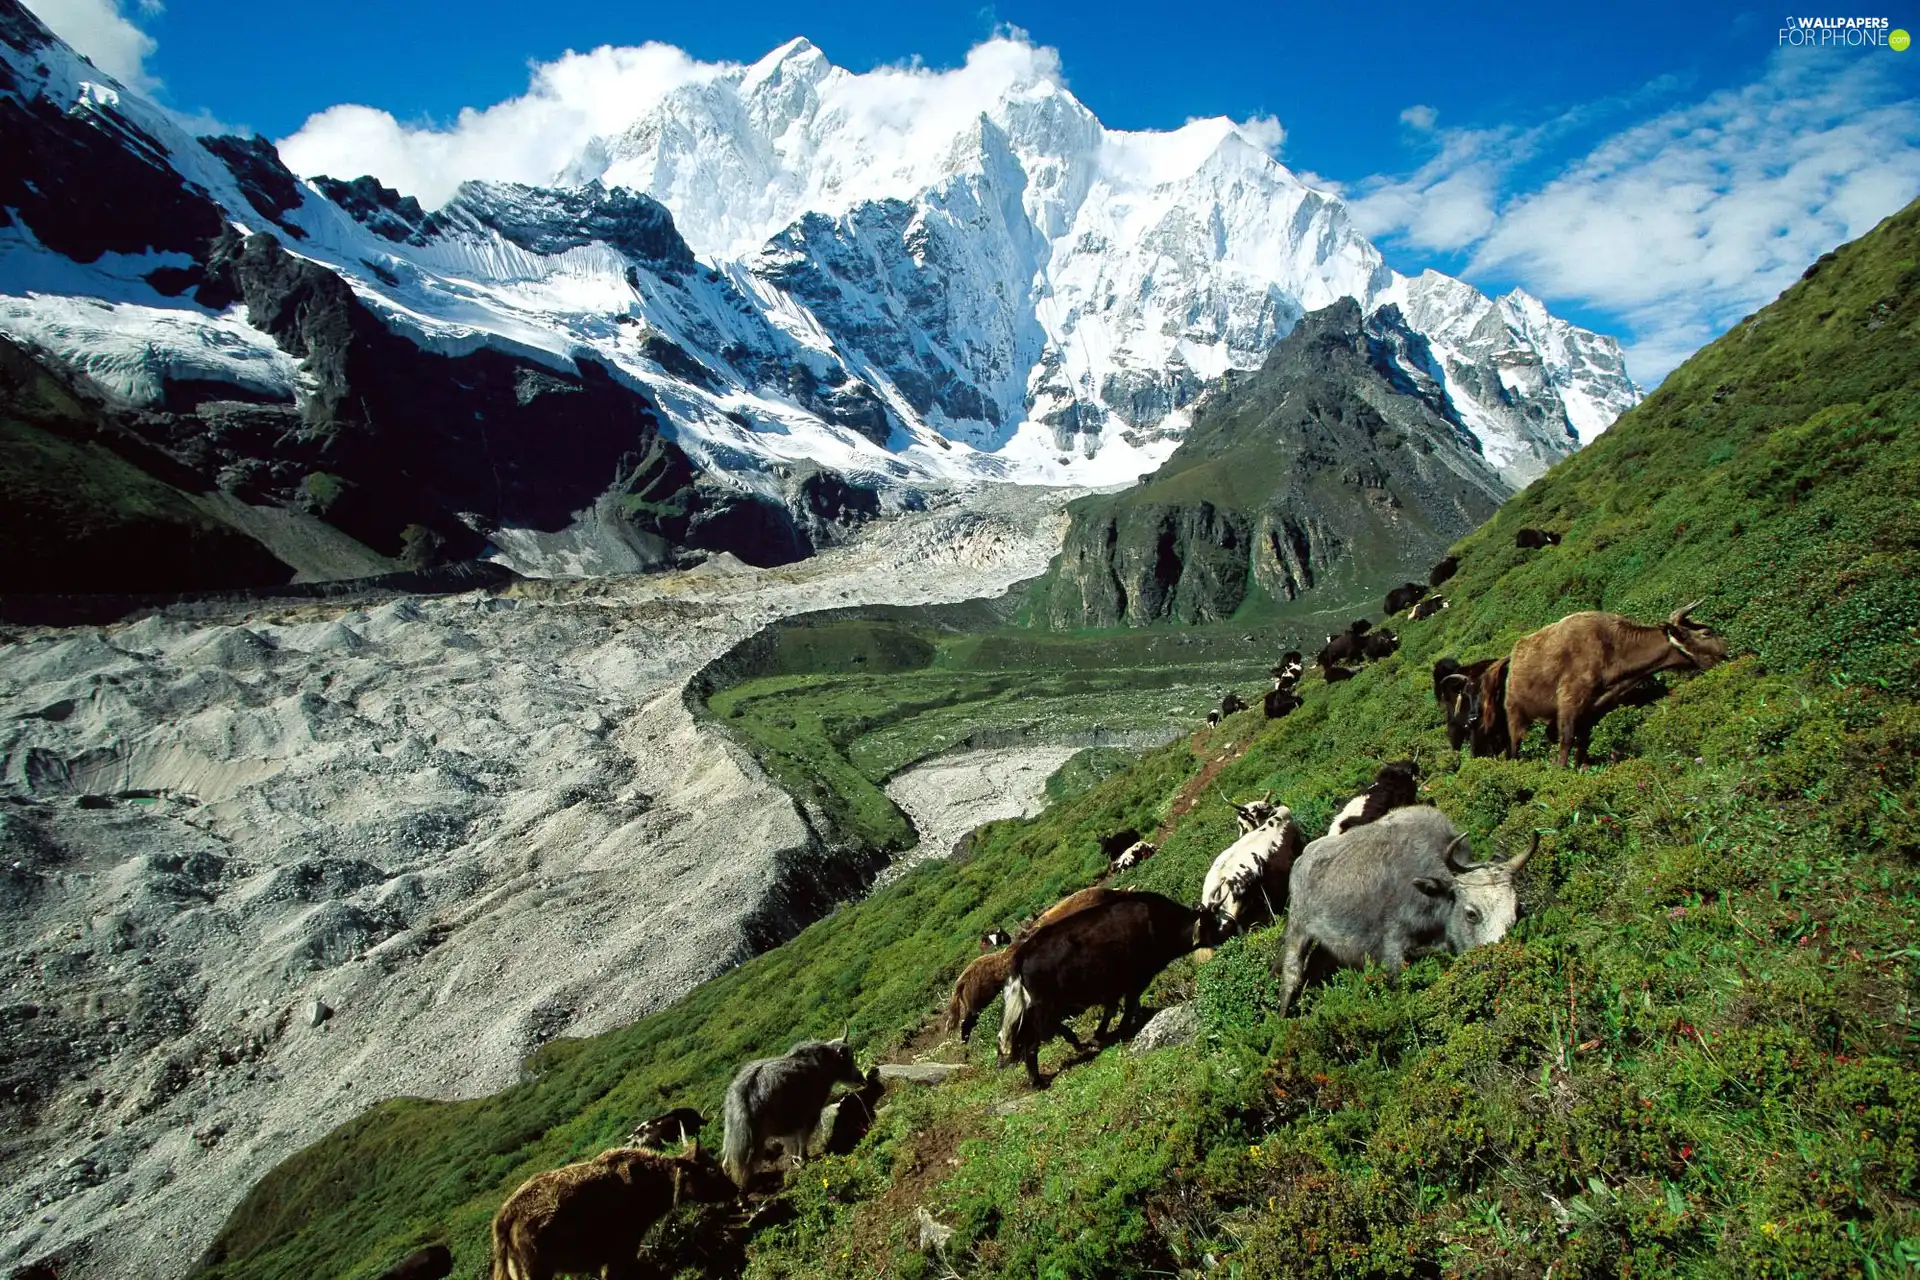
point(98, 29)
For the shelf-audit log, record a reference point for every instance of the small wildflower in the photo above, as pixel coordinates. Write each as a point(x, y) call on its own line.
point(1678, 913)
point(1253, 1152)
point(1770, 1228)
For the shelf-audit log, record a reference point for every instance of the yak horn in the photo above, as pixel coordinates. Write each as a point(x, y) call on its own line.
point(846, 1031)
point(1680, 615)
point(1453, 864)
point(1519, 860)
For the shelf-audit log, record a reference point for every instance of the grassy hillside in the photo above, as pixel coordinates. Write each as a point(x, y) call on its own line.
point(1695, 1055)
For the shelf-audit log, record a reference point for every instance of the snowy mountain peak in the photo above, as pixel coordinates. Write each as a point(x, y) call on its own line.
point(907, 276)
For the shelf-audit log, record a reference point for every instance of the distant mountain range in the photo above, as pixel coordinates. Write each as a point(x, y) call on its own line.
point(752, 318)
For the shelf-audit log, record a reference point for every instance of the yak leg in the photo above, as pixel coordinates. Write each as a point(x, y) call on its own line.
point(1065, 1032)
point(1517, 723)
point(1033, 1068)
point(1568, 715)
point(1130, 1020)
point(795, 1147)
point(1293, 970)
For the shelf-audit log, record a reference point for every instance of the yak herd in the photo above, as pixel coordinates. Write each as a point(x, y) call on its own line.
point(1390, 881)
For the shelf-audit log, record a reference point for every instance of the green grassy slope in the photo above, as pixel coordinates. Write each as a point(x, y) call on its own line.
point(1695, 1055)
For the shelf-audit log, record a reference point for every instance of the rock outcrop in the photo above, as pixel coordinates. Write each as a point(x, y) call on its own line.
point(1339, 464)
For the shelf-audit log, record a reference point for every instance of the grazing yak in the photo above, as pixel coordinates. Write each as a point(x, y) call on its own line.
point(1475, 699)
point(1281, 701)
point(1404, 596)
point(435, 1262)
point(1573, 672)
point(1334, 675)
point(1531, 539)
point(975, 989)
point(1338, 648)
point(1443, 571)
point(1394, 786)
point(1136, 854)
point(1247, 884)
point(1104, 955)
point(1118, 843)
point(1391, 892)
point(781, 1099)
point(1213, 717)
point(1427, 608)
point(589, 1218)
point(1231, 703)
point(1288, 669)
point(982, 980)
point(846, 1120)
point(994, 938)
point(674, 1128)
point(1379, 644)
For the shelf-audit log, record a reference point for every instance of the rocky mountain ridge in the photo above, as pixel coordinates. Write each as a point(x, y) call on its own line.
point(1018, 294)
point(1338, 465)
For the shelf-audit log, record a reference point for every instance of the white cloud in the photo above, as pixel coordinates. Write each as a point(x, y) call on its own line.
point(1683, 223)
point(1419, 116)
point(1265, 132)
point(1449, 203)
point(524, 139)
point(99, 30)
point(899, 112)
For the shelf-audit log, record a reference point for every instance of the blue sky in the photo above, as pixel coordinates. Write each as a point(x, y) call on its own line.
point(1651, 170)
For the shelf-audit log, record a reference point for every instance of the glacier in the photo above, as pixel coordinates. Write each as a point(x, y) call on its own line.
point(801, 265)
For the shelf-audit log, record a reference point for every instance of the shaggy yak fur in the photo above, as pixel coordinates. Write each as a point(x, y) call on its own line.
point(982, 980)
point(1573, 672)
point(781, 1099)
point(589, 1218)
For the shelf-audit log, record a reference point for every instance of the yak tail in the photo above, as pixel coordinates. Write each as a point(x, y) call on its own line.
point(504, 1264)
point(1013, 1013)
point(956, 1012)
point(736, 1149)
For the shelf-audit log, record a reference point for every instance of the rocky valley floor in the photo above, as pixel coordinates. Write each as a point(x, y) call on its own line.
point(261, 872)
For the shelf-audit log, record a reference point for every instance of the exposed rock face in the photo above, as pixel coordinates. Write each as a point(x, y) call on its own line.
point(1337, 465)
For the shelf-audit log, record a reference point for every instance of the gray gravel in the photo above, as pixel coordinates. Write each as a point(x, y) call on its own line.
point(259, 875)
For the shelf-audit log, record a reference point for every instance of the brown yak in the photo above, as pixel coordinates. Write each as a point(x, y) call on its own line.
point(1573, 672)
point(589, 1218)
point(981, 980)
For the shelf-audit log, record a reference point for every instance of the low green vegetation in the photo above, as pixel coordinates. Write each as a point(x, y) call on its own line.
point(1695, 1055)
point(837, 705)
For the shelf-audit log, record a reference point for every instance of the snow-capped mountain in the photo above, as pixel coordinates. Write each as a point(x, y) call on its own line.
point(793, 267)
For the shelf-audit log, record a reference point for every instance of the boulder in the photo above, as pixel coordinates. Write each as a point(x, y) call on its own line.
point(1169, 1027)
